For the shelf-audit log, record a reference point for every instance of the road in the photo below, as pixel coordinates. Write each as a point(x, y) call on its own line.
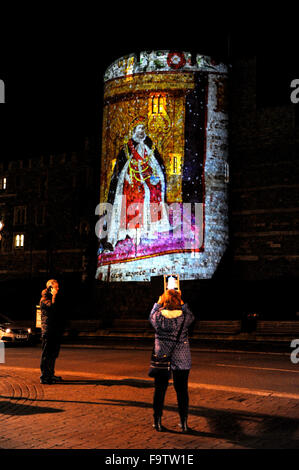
point(254, 372)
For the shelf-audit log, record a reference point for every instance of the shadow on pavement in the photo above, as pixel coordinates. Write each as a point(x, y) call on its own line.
point(109, 383)
point(15, 409)
point(271, 432)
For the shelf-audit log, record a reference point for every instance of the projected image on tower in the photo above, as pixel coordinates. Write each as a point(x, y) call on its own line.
point(156, 168)
point(152, 169)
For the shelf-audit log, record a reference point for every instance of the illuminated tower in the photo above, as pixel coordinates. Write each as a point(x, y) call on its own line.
point(164, 171)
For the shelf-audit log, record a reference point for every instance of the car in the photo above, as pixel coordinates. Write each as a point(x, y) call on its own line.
point(12, 331)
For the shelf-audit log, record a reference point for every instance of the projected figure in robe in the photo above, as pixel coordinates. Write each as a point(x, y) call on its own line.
point(137, 192)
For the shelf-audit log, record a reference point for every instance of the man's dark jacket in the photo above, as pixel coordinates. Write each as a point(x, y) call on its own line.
point(52, 322)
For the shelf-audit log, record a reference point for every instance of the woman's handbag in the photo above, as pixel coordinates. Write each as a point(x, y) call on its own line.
point(160, 365)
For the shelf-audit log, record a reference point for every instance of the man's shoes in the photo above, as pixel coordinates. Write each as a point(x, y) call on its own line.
point(56, 378)
point(51, 380)
point(46, 381)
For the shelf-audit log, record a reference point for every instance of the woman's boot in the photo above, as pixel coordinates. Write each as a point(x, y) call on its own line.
point(183, 424)
point(157, 423)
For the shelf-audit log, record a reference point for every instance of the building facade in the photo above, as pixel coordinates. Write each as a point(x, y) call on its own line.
point(264, 186)
point(47, 206)
point(47, 209)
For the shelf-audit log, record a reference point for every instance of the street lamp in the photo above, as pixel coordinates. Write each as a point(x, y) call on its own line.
point(1, 228)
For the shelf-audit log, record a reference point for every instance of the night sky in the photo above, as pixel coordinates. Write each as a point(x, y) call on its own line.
point(54, 82)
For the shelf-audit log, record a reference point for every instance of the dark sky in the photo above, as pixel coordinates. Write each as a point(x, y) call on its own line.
point(54, 82)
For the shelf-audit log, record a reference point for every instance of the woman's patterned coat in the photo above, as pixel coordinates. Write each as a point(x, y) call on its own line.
point(167, 324)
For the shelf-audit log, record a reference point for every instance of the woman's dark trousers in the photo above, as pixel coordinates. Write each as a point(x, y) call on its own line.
point(180, 382)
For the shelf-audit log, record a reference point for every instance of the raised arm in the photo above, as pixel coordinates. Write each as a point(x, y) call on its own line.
point(152, 317)
point(189, 315)
point(46, 299)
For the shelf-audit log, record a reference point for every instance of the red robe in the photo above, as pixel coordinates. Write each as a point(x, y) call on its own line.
point(134, 192)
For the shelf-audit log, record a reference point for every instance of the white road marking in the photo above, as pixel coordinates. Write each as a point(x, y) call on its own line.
point(258, 368)
point(249, 391)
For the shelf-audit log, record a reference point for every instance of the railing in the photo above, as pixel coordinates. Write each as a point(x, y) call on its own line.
point(228, 327)
point(204, 328)
point(290, 328)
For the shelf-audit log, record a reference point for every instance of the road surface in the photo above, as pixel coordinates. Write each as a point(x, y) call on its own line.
point(257, 372)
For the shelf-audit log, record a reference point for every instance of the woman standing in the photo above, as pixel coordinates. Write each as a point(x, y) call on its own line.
point(167, 317)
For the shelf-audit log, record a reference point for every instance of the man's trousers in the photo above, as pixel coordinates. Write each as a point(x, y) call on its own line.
point(50, 352)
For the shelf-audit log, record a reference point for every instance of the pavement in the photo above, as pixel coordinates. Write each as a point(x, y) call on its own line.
point(101, 411)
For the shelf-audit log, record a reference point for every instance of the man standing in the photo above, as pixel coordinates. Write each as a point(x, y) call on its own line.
point(52, 329)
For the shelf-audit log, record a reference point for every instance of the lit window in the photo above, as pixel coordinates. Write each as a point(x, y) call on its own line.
point(19, 240)
point(175, 165)
point(176, 162)
point(157, 103)
point(3, 182)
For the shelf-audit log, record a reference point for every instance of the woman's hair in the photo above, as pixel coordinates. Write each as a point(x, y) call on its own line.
point(171, 299)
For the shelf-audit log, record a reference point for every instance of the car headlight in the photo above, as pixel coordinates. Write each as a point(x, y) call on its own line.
point(29, 330)
point(8, 330)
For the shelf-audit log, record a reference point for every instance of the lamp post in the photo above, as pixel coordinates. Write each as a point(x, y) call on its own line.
point(1, 228)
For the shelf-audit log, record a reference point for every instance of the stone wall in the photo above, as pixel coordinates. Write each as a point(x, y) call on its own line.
point(264, 183)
